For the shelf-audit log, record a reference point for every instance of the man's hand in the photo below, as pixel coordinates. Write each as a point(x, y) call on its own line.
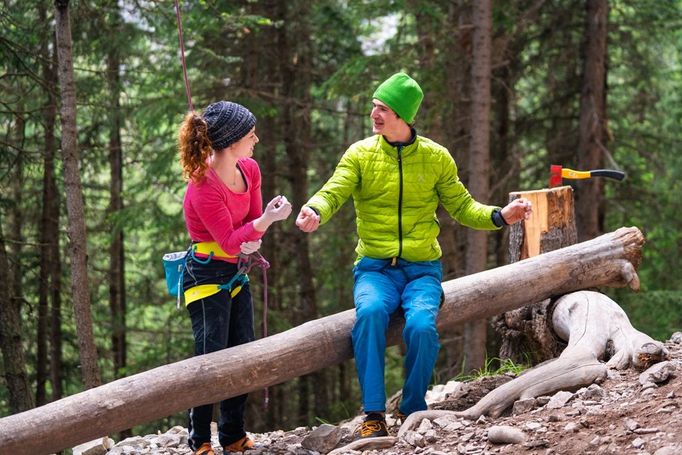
point(250, 247)
point(307, 220)
point(517, 210)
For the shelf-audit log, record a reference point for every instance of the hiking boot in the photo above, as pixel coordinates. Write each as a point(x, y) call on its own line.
point(374, 426)
point(241, 445)
point(400, 416)
point(205, 449)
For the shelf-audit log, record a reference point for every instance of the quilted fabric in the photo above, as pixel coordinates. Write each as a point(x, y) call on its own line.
point(396, 199)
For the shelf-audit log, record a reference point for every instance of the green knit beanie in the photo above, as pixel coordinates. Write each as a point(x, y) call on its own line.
point(402, 94)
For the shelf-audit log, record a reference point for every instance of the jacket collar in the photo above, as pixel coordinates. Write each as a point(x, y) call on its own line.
point(393, 146)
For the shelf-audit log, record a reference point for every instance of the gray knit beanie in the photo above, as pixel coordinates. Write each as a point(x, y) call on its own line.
point(227, 123)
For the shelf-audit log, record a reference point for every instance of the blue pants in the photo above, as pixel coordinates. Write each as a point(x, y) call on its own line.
point(380, 289)
point(218, 322)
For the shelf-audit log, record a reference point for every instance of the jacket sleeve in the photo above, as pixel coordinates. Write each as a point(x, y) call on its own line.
point(457, 200)
point(346, 179)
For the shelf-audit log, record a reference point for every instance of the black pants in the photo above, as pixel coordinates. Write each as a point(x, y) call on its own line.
point(218, 322)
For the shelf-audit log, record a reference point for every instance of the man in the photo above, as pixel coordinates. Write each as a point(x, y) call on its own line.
point(397, 179)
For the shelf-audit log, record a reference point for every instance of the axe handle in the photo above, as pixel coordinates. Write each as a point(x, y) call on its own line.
point(616, 175)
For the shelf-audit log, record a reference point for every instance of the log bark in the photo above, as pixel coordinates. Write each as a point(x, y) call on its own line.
point(608, 260)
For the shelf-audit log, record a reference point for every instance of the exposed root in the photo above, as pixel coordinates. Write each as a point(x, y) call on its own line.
point(383, 442)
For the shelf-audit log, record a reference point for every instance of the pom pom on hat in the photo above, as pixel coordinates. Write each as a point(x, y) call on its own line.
point(402, 94)
point(227, 123)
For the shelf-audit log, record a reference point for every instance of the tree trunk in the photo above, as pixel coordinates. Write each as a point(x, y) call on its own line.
point(589, 194)
point(609, 260)
point(457, 46)
point(14, 361)
point(74, 200)
point(49, 224)
point(297, 135)
point(117, 300)
point(475, 332)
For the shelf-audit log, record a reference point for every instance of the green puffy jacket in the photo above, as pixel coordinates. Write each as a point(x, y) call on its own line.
point(396, 191)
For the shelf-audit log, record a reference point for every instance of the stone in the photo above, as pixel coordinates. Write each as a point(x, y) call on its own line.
point(657, 373)
point(504, 434)
point(414, 439)
point(572, 427)
point(523, 406)
point(559, 399)
point(322, 439)
point(425, 426)
point(96, 447)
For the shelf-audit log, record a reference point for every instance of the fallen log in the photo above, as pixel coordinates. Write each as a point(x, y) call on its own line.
point(608, 260)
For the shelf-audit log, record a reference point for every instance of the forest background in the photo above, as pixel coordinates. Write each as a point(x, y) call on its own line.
point(509, 90)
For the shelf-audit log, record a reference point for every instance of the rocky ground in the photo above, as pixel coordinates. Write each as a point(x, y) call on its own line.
point(629, 413)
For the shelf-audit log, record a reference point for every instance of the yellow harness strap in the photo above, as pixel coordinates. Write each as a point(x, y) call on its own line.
point(206, 290)
point(208, 248)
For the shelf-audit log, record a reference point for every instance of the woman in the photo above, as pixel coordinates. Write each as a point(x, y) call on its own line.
point(224, 217)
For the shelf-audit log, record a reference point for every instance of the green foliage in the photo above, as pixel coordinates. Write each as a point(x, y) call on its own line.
point(493, 366)
point(656, 313)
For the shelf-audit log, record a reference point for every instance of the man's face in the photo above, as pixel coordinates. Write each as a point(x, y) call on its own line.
point(384, 120)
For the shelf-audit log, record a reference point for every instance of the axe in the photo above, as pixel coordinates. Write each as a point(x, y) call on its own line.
point(557, 173)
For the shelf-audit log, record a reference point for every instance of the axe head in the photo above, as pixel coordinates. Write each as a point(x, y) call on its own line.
point(555, 175)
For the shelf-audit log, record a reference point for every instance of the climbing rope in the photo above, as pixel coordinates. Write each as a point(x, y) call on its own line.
point(245, 264)
point(181, 40)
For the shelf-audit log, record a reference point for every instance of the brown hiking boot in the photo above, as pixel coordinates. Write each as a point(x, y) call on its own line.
point(241, 445)
point(205, 449)
point(374, 426)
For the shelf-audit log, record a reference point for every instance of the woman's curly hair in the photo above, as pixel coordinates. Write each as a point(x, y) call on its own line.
point(194, 146)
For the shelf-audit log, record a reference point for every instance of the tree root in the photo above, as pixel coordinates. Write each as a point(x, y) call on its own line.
point(383, 442)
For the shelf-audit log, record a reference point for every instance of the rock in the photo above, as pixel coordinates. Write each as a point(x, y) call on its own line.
point(638, 443)
point(658, 373)
point(676, 338)
point(668, 450)
point(503, 434)
point(630, 424)
point(96, 447)
point(559, 400)
point(414, 439)
point(572, 427)
point(323, 439)
point(523, 406)
point(424, 426)
point(594, 392)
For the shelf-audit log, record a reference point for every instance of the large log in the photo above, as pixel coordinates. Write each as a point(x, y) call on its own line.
point(608, 260)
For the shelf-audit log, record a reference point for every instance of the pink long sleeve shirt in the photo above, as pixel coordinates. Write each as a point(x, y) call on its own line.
point(215, 213)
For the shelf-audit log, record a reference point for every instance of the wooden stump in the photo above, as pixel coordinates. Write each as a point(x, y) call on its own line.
point(526, 333)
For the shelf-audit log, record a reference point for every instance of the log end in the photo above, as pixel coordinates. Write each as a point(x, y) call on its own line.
point(632, 240)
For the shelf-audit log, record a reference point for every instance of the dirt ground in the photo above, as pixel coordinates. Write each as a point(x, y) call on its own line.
point(618, 416)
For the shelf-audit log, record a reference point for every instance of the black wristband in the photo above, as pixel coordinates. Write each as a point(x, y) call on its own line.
point(317, 212)
point(498, 219)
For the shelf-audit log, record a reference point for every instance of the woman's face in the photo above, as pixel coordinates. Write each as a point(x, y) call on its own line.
point(243, 148)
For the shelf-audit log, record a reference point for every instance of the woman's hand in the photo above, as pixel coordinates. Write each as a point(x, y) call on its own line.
point(277, 209)
point(250, 247)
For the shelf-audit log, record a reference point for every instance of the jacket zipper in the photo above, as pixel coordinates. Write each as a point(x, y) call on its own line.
point(400, 202)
